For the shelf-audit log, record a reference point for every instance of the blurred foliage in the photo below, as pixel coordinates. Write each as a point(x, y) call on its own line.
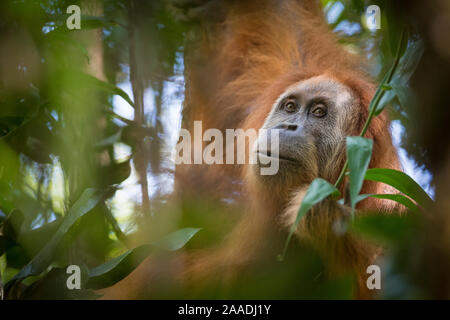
point(60, 132)
point(58, 129)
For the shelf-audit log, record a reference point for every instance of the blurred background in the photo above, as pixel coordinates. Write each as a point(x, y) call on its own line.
point(89, 119)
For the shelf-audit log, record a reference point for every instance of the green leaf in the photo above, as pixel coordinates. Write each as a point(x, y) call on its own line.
point(317, 191)
point(92, 82)
point(116, 173)
point(52, 286)
point(407, 65)
point(42, 260)
point(176, 240)
point(34, 240)
point(395, 25)
point(384, 101)
point(359, 152)
point(118, 268)
point(399, 198)
point(386, 229)
point(402, 182)
point(404, 94)
point(361, 197)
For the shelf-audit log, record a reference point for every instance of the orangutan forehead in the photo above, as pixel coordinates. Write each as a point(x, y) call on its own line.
point(320, 86)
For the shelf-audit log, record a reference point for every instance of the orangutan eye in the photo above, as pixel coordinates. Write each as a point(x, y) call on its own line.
point(319, 110)
point(290, 106)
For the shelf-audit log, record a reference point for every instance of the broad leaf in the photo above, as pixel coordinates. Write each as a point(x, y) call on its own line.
point(402, 182)
point(359, 152)
point(176, 240)
point(395, 24)
point(115, 173)
point(54, 286)
point(42, 260)
point(404, 95)
point(91, 82)
point(407, 65)
point(118, 268)
point(399, 198)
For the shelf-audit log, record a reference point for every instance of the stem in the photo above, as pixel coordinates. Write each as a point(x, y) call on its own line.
point(341, 175)
point(115, 226)
point(376, 100)
point(140, 158)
